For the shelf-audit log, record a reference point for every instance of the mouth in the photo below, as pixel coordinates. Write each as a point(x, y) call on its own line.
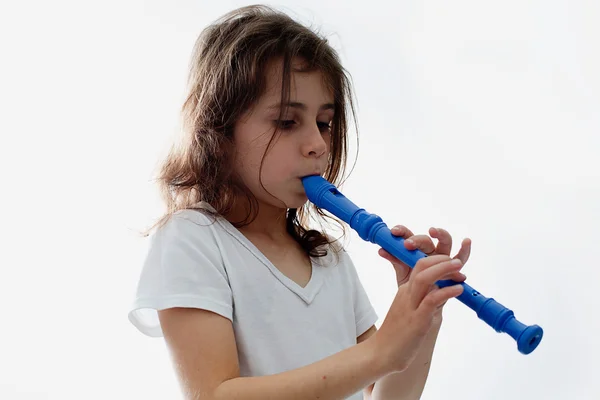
point(301, 178)
point(313, 174)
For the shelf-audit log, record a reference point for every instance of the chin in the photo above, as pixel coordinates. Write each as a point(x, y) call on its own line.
point(297, 201)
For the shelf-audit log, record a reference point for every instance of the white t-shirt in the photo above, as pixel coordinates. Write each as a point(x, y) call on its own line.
point(279, 325)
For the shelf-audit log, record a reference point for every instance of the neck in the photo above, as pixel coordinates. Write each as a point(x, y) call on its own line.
point(270, 221)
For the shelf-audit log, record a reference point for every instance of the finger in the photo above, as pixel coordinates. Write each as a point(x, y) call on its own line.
point(444, 245)
point(402, 270)
point(421, 242)
point(427, 262)
point(421, 282)
point(402, 231)
point(465, 251)
point(385, 254)
point(437, 298)
point(436, 287)
point(437, 272)
point(455, 276)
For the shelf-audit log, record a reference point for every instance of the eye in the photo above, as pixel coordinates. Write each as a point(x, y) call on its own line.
point(324, 126)
point(285, 125)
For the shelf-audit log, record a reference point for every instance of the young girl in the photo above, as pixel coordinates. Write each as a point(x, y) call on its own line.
point(252, 304)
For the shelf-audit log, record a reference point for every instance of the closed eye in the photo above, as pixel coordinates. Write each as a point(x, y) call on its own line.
point(324, 126)
point(287, 125)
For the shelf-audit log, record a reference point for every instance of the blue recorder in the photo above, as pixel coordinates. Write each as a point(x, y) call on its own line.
point(370, 227)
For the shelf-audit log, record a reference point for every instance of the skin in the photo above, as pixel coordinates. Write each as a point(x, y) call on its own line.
point(301, 148)
point(416, 374)
point(392, 362)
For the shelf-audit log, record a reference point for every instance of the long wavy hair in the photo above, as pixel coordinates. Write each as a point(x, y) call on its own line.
point(226, 78)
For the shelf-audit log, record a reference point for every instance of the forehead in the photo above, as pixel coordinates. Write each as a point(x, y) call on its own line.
point(305, 86)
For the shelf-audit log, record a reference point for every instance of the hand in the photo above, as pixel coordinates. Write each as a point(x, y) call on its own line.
point(426, 245)
point(413, 312)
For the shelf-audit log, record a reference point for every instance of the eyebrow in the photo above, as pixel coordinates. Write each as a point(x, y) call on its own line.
point(302, 106)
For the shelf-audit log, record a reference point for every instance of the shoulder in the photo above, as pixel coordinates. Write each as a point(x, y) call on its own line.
point(189, 231)
point(187, 221)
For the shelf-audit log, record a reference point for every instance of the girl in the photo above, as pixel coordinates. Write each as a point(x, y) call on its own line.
point(252, 304)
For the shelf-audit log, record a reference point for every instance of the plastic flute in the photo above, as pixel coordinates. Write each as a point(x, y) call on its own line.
point(370, 227)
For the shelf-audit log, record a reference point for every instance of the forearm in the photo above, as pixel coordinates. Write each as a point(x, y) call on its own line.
point(409, 384)
point(335, 377)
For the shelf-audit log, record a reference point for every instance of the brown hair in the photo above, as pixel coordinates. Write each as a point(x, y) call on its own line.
point(226, 79)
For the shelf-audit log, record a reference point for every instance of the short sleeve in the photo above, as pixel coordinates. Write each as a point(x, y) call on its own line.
point(364, 311)
point(183, 268)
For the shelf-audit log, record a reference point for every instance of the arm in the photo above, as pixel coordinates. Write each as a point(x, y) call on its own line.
point(208, 368)
point(408, 384)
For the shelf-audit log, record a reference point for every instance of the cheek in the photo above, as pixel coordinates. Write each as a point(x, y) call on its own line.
point(251, 139)
point(277, 165)
point(247, 166)
point(249, 154)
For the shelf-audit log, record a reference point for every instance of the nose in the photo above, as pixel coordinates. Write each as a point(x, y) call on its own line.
point(314, 143)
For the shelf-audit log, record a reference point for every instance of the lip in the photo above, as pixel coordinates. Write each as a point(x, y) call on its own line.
point(312, 174)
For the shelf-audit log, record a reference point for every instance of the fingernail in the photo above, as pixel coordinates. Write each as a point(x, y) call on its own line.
point(456, 261)
point(409, 241)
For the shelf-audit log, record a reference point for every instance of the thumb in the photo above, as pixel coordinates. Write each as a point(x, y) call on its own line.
point(402, 270)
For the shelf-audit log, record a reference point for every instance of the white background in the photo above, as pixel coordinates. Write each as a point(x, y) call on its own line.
point(480, 117)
